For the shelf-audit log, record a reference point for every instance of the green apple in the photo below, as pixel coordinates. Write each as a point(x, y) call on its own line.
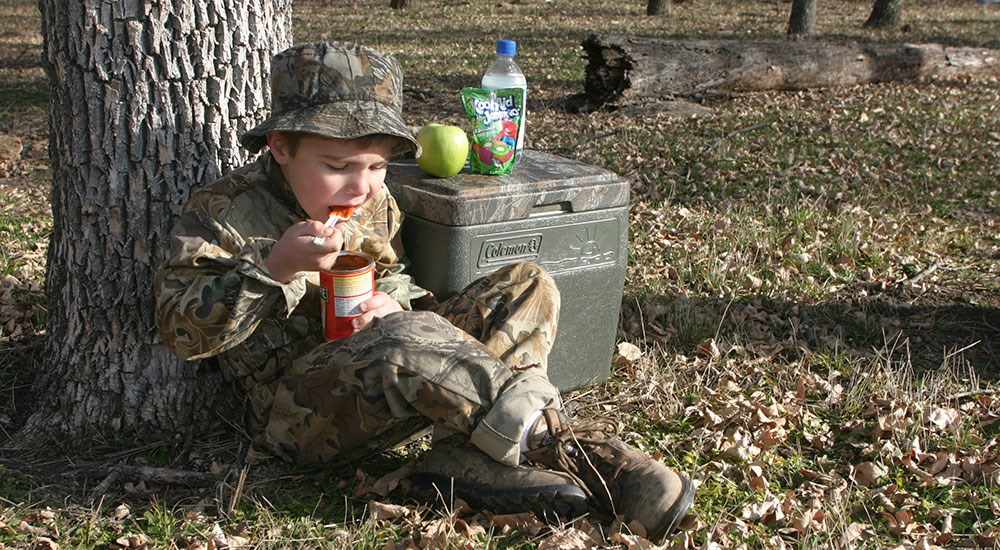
point(445, 149)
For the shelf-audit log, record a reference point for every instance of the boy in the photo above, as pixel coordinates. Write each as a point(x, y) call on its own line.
point(239, 286)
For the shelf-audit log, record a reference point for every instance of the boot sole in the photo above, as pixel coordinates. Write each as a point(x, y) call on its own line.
point(553, 502)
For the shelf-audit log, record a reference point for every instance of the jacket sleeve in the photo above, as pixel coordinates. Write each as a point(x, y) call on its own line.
point(214, 290)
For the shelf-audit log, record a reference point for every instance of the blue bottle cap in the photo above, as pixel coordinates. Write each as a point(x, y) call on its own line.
point(507, 47)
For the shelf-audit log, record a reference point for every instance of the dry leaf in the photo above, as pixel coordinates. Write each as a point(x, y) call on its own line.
point(855, 533)
point(803, 520)
point(238, 542)
point(224, 542)
point(25, 527)
point(739, 444)
point(925, 544)
point(524, 521)
point(867, 474)
point(989, 538)
point(627, 354)
point(942, 417)
point(130, 542)
point(595, 532)
point(389, 482)
point(632, 542)
point(709, 348)
point(382, 511)
point(436, 534)
point(567, 539)
point(756, 478)
point(768, 511)
point(771, 438)
point(751, 283)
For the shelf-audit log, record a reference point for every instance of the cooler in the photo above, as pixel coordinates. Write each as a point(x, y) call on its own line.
point(569, 217)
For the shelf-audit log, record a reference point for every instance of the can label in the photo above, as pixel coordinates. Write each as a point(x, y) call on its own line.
point(343, 288)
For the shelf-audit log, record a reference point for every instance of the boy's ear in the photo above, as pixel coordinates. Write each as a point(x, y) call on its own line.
point(279, 147)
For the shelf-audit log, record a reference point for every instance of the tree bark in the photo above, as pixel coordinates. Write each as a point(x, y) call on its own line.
point(802, 21)
point(657, 7)
point(147, 100)
point(624, 70)
point(885, 14)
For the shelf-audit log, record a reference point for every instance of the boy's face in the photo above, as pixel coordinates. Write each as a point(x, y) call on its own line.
point(326, 172)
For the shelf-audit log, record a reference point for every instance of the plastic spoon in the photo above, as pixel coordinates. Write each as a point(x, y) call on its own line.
point(337, 215)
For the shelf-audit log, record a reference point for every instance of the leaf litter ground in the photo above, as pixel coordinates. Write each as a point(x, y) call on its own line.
point(810, 325)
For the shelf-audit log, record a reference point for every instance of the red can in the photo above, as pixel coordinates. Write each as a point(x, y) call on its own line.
point(350, 282)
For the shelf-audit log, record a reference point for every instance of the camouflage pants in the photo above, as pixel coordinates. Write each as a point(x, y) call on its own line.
point(476, 365)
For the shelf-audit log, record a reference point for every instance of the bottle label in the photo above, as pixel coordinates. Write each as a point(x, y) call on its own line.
point(496, 116)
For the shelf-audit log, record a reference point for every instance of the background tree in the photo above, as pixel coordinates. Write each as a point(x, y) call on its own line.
point(657, 7)
point(885, 14)
point(803, 18)
point(147, 98)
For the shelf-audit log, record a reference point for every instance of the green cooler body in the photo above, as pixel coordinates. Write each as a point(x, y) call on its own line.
point(567, 216)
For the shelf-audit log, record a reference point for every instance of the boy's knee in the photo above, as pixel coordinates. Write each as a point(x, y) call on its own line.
point(413, 323)
point(538, 276)
point(527, 271)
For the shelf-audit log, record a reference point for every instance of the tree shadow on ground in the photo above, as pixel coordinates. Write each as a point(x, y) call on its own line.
point(929, 335)
point(925, 330)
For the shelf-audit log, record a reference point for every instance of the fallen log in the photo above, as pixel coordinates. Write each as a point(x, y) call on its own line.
point(632, 70)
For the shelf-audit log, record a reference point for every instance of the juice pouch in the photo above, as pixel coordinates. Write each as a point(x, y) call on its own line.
point(495, 116)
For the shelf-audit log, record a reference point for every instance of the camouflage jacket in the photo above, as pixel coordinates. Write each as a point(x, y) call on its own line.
point(215, 295)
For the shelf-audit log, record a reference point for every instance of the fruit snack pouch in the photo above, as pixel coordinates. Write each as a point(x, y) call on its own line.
point(495, 116)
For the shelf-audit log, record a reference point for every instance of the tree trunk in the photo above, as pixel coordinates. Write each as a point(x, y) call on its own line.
point(803, 18)
point(657, 7)
point(626, 70)
point(885, 14)
point(147, 98)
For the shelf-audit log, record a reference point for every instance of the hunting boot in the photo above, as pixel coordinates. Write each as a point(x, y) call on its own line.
point(622, 480)
point(456, 468)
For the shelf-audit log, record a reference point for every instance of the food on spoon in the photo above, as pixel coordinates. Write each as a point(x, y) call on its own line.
point(342, 212)
point(337, 214)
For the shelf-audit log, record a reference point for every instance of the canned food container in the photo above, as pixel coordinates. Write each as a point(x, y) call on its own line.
point(343, 288)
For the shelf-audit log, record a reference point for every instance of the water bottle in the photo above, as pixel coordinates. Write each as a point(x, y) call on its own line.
point(504, 73)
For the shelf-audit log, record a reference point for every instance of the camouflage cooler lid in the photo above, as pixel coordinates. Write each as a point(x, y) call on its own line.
point(541, 184)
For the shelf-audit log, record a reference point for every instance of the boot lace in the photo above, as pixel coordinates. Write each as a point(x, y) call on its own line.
point(570, 450)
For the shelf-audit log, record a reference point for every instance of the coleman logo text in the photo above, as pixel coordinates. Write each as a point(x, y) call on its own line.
point(508, 250)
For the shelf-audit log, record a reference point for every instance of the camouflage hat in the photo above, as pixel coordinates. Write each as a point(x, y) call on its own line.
point(339, 90)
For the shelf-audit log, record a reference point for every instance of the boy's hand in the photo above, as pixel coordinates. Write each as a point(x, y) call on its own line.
point(379, 305)
point(296, 250)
